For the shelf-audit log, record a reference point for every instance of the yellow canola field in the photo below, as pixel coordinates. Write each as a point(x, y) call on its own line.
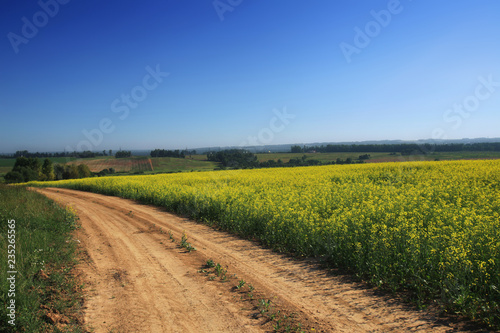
point(429, 227)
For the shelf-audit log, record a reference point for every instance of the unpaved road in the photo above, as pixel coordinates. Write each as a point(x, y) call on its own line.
point(138, 280)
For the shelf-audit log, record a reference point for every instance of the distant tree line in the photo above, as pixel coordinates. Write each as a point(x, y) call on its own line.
point(75, 154)
point(403, 148)
point(172, 153)
point(243, 159)
point(28, 169)
point(123, 154)
point(167, 153)
point(234, 158)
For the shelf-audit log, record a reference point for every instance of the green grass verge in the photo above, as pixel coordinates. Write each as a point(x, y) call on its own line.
point(44, 259)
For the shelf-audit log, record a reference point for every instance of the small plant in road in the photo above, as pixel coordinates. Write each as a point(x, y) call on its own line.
point(185, 244)
point(240, 284)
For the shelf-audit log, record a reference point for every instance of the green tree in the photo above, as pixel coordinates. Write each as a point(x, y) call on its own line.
point(123, 153)
point(29, 174)
point(58, 172)
point(28, 162)
point(70, 172)
point(48, 170)
point(84, 171)
point(29, 167)
point(14, 177)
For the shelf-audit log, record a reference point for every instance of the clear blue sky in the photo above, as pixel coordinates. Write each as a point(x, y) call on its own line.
point(339, 70)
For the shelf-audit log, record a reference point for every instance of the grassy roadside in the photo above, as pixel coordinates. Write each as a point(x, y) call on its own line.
point(46, 296)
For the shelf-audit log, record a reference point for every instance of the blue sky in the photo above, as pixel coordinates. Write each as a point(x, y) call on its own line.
point(241, 72)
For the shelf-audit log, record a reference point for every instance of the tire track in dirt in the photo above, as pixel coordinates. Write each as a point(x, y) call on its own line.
point(141, 281)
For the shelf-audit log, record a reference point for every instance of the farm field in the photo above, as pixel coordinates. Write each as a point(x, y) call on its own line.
point(171, 164)
point(323, 157)
point(428, 228)
point(374, 157)
point(140, 164)
point(134, 164)
point(381, 157)
point(127, 165)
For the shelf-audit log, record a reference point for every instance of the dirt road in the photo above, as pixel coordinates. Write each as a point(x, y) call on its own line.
point(141, 281)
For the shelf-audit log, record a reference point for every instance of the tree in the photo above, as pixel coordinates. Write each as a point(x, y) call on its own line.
point(29, 167)
point(58, 172)
point(48, 170)
point(168, 153)
point(70, 172)
point(123, 153)
point(84, 171)
point(234, 158)
point(296, 149)
point(29, 174)
point(364, 157)
point(14, 177)
point(28, 162)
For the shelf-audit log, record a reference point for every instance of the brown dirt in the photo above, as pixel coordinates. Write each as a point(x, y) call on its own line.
point(140, 281)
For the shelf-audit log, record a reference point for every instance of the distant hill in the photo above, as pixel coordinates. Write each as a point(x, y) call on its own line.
point(282, 148)
point(287, 147)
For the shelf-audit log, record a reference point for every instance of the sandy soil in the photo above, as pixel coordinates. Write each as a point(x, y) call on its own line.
point(138, 280)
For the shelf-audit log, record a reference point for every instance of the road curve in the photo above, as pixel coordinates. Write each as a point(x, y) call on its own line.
point(140, 281)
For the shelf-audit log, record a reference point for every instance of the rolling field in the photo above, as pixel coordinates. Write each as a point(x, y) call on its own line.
point(431, 228)
point(170, 164)
point(134, 164)
point(374, 157)
point(382, 157)
point(119, 164)
point(323, 157)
